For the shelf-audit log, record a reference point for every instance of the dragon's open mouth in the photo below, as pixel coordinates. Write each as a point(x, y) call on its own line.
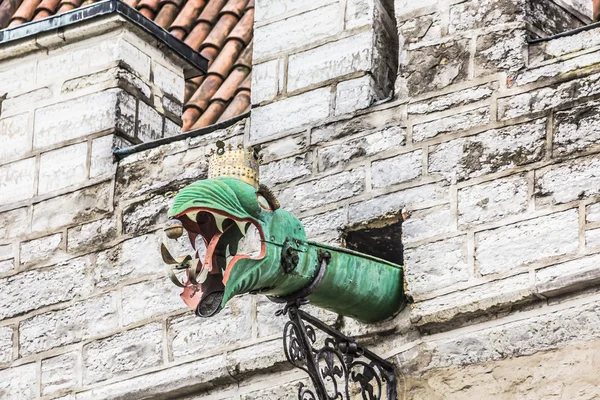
point(219, 241)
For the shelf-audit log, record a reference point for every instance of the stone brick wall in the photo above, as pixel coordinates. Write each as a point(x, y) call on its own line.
point(489, 143)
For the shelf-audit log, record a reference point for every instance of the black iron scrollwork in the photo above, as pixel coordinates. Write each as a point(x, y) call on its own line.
point(338, 367)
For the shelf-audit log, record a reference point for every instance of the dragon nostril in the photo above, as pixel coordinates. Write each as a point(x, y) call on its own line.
point(174, 229)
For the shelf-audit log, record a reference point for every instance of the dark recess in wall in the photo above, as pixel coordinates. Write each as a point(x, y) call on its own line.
point(378, 240)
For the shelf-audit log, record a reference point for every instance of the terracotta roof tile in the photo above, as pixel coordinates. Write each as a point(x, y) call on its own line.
point(220, 30)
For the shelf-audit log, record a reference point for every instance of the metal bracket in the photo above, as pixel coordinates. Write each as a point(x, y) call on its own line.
point(338, 367)
point(289, 256)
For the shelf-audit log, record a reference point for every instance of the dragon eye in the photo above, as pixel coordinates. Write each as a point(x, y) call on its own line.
point(263, 202)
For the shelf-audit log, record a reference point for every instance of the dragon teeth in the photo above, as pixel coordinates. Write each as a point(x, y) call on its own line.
point(242, 227)
point(219, 220)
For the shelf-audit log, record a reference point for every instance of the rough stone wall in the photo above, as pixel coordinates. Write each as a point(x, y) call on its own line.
point(489, 144)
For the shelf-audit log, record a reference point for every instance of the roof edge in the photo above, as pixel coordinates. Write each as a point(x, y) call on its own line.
point(198, 65)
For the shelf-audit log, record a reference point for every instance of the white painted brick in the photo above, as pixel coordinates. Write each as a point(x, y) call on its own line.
point(132, 350)
point(37, 250)
point(592, 239)
point(14, 130)
point(63, 167)
point(427, 223)
point(17, 180)
point(332, 60)
point(399, 169)
point(436, 265)
point(418, 197)
point(593, 213)
point(502, 249)
point(87, 114)
point(452, 123)
point(123, 261)
point(88, 236)
point(285, 170)
point(149, 123)
point(77, 207)
point(478, 298)
point(34, 289)
point(265, 81)
point(26, 100)
point(170, 82)
point(355, 94)
point(583, 176)
point(83, 320)
point(60, 373)
point(149, 299)
point(296, 31)
point(102, 161)
point(19, 383)
point(323, 191)
point(491, 151)
point(342, 153)
point(492, 201)
point(6, 344)
point(189, 334)
point(289, 113)
point(581, 272)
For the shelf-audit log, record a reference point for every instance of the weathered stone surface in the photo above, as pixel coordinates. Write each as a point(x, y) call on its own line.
point(569, 275)
point(547, 97)
point(15, 131)
point(264, 357)
point(62, 168)
point(88, 114)
point(403, 7)
point(7, 265)
point(286, 170)
point(491, 151)
point(477, 14)
point(186, 378)
point(500, 250)
point(436, 265)
point(332, 60)
point(342, 153)
point(60, 373)
point(550, 18)
point(592, 239)
point(284, 147)
point(559, 68)
point(169, 81)
point(399, 169)
point(388, 118)
point(473, 300)
point(83, 320)
point(500, 51)
point(18, 76)
point(13, 223)
point(492, 201)
point(148, 299)
point(77, 207)
point(22, 101)
point(273, 9)
point(42, 249)
point(17, 180)
point(576, 129)
point(355, 94)
point(421, 28)
point(583, 175)
point(7, 334)
point(266, 81)
point(101, 160)
point(435, 67)
point(592, 213)
point(451, 123)
point(140, 216)
point(90, 236)
point(149, 123)
point(413, 198)
point(455, 99)
point(297, 31)
point(289, 113)
point(427, 223)
point(119, 354)
point(34, 289)
point(19, 382)
point(6, 251)
point(571, 43)
point(323, 191)
point(287, 391)
point(326, 222)
point(189, 334)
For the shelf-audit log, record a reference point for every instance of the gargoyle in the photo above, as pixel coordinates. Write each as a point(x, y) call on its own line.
point(223, 213)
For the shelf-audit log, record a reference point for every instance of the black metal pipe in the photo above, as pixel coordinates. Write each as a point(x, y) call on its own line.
point(198, 64)
point(565, 34)
point(120, 153)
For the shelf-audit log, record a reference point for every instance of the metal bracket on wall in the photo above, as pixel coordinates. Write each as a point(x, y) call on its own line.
point(338, 367)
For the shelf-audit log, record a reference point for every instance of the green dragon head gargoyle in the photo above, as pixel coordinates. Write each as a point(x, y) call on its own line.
point(251, 245)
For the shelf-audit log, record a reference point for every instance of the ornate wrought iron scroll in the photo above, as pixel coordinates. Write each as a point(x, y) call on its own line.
point(338, 367)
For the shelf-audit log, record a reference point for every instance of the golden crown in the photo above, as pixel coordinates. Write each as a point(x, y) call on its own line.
point(237, 163)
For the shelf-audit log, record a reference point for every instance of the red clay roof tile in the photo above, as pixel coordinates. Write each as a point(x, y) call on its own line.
point(221, 30)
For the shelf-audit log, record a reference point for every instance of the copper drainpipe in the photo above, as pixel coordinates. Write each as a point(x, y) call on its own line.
point(596, 10)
